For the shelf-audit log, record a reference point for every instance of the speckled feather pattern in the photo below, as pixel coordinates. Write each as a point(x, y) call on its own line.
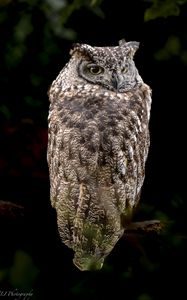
point(97, 149)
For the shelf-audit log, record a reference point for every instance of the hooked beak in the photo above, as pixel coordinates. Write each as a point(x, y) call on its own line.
point(117, 81)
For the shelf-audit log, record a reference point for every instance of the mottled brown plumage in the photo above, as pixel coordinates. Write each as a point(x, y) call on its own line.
point(97, 149)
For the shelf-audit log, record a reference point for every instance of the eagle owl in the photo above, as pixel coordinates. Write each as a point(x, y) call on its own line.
point(97, 148)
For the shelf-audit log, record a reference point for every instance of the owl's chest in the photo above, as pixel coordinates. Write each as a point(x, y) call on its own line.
point(102, 111)
point(99, 127)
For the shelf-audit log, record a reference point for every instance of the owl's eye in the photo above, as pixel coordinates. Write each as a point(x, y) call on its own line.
point(95, 70)
point(124, 69)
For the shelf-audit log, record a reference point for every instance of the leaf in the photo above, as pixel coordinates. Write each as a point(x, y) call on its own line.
point(144, 297)
point(172, 47)
point(23, 28)
point(32, 102)
point(5, 111)
point(161, 10)
point(23, 272)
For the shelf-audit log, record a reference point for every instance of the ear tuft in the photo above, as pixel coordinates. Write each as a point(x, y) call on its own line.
point(75, 47)
point(82, 48)
point(133, 47)
point(129, 47)
point(122, 42)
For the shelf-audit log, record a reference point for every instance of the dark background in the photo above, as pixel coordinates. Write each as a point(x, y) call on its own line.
point(35, 39)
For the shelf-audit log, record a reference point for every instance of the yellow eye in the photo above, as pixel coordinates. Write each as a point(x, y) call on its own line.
point(124, 69)
point(95, 70)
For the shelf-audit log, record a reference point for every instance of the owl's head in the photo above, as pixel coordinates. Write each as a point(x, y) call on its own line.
point(110, 67)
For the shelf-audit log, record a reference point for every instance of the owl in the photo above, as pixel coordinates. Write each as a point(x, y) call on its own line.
point(97, 148)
